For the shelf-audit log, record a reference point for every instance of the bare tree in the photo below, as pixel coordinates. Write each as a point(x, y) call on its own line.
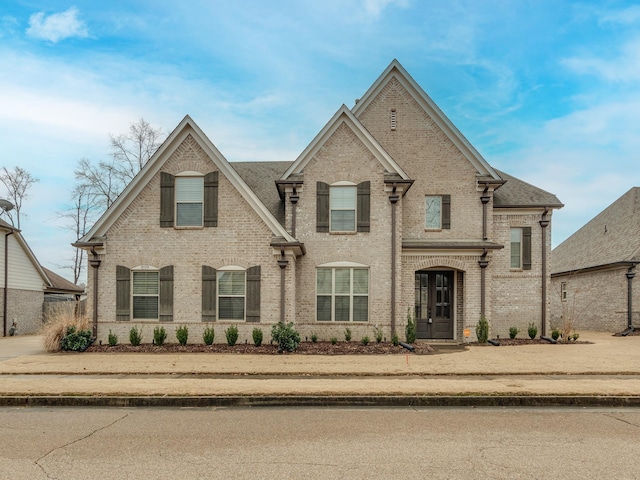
point(129, 153)
point(99, 184)
point(17, 182)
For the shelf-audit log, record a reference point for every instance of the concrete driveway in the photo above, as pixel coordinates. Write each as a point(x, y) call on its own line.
point(12, 347)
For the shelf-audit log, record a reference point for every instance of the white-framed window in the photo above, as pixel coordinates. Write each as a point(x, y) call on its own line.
point(145, 293)
point(189, 199)
point(563, 291)
point(342, 293)
point(516, 248)
point(433, 217)
point(231, 285)
point(342, 205)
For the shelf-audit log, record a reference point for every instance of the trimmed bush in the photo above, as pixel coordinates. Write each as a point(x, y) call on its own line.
point(208, 336)
point(347, 334)
point(257, 337)
point(334, 340)
point(285, 336)
point(135, 336)
point(76, 340)
point(555, 334)
point(113, 339)
point(377, 334)
point(513, 332)
point(365, 340)
point(395, 340)
point(159, 336)
point(182, 334)
point(482, 330)
point(410, 328)
point(232, 335)
point(532, 331)
point(314, 338)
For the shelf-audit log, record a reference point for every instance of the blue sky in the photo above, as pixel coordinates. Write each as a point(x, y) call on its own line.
point(547, 91)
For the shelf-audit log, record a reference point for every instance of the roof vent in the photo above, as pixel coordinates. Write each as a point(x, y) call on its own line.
point(393, 119)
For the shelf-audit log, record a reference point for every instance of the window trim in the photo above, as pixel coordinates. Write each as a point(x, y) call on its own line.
point(343, 185)
point(185, 175)
point(144, 269)
point(333, 267)
point(228, 269)
point(563, 291)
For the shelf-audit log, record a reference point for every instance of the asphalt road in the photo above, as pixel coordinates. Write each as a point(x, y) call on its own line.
point(319, 443)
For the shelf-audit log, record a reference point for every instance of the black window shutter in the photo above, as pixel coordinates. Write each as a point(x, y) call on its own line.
point(322, 207)
point(364, 206)
point(211, 199)
point(526, 248)
point(167, 196)
point(123, 293)
point(208, 294)
point(166, 294)
point(253, 294)
point(446, 212)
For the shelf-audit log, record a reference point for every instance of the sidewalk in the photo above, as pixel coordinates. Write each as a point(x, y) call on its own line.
point(607, 370)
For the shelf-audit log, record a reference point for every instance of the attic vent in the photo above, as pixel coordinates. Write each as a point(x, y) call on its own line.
point(393, 119)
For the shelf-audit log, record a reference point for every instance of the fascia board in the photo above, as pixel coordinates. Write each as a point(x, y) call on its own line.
point(430, 107)
point(344, 115)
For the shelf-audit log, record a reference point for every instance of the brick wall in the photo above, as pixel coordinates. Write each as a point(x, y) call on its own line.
point(25, 307)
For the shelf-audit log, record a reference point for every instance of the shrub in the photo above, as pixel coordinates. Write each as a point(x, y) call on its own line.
point(347, 334)
point(575, 336)
point(76, 340)
point(410, 328)
point(135, 336)
point(314, 337)
point(365, 340)
point(377, 333)
point(182, 334)
point(513, 332)
point(555, 334)
point(59, 319)
point(113, 339)
point(232, 335)
point(159, 336)
point(482, 330)
point(395, 340)
point(257, 337)
point(532, 331)
point(208, 335)
point(286, 336)
point(334, 340)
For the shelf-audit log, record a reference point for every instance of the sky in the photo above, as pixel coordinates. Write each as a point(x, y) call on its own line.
point(546, 90)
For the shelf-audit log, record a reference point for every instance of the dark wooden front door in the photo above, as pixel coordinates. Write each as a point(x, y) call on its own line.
point(434, 304)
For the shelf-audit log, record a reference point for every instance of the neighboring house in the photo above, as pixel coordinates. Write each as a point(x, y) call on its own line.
point(389, 210)
point(593, 270)
point(61, 291)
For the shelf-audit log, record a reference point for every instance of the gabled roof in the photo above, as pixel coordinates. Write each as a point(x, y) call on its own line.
point(515, 193)
point(25, 247)
point(185, 128)
point(611, 237)
point(397, 71)
point(60, 284)
point(344, 115)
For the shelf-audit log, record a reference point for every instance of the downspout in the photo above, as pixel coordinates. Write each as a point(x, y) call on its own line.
point(630, 274)
point(6, 279)
point(485, 200)
point(282, 263)
point(294, 201)
point(544, 223)
point(393, 198)
point(483, 262)
point(95, 262)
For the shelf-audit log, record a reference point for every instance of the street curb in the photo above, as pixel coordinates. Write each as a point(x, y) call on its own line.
point(322, 401)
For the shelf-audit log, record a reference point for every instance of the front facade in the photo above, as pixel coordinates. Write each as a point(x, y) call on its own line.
point(389, 212)
point(593, 277)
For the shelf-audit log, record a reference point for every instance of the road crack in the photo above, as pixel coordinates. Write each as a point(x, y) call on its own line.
point(61, 447)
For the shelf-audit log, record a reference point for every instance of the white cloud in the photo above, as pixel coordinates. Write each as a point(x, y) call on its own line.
point(374, 8)
point(625, 67)
point(57, 26)
point(625, 17)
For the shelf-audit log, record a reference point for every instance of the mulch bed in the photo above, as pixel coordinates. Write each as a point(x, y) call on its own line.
point(509, 342)
point(305, 348)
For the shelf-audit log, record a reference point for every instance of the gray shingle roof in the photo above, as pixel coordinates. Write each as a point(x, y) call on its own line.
point(516, 193)
point(612, 236)
point(261, 178)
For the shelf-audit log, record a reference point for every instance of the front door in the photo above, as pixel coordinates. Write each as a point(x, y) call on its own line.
point(434, 304)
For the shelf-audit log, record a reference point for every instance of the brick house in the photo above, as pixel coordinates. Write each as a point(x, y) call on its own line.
point(389, 210)
point(593, 270)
